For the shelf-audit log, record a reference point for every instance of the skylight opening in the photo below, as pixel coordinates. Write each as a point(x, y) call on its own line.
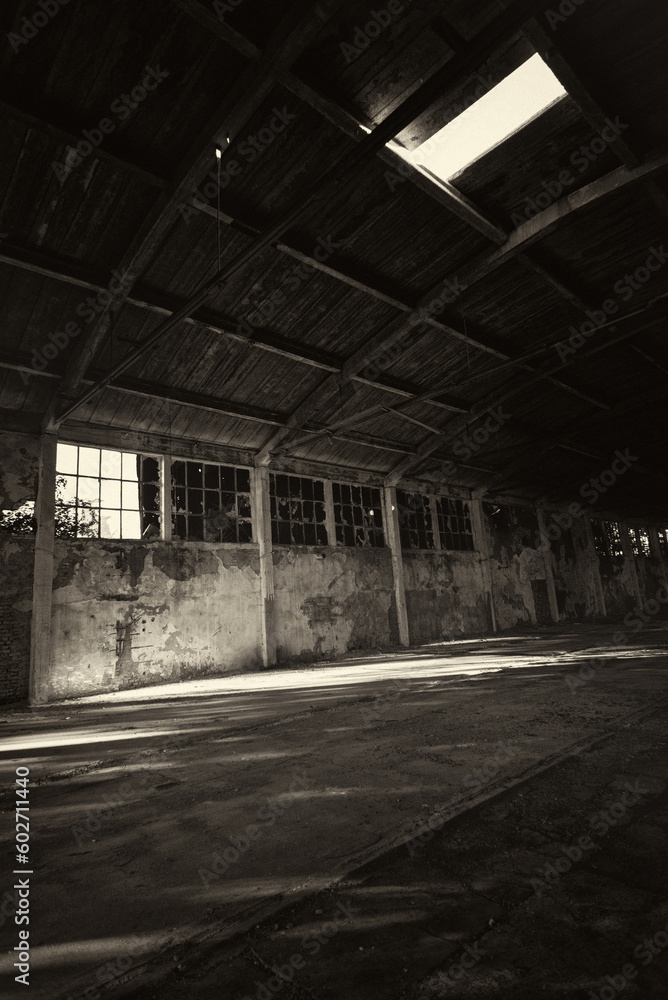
point(505, 109)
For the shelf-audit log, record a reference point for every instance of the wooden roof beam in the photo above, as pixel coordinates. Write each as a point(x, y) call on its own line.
point(250, 90)
point(503, 26)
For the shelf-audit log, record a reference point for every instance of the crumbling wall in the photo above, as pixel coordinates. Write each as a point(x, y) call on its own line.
point(128, 614)
point(445, 595)
point(515, 559)
point(573, 570)
point(18, 485)
point(618, 585)
point(329, 600)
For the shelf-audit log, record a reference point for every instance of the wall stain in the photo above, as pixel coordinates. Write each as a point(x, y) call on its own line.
point(185, 564)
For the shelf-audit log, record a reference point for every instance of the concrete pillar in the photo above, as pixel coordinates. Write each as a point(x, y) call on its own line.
point(481, 544)
point(631, 561)
point(40, 630)
point(549, 575)
point(433, 500)
point(391, 520)
point(166, 498)
point(330, 523)
point(262, 528)
point(595, 568)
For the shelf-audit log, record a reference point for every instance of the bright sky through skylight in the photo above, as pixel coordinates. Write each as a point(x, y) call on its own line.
point(503, 110)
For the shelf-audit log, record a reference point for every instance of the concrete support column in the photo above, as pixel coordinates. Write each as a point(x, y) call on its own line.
point(393, 541)
point(547, 557)
point(433, 500)
point(482, 547)
point(330, 523)
point(40, 630)
point(595, 568)
point(262, 528)
point(631, 560)
point(166, 497)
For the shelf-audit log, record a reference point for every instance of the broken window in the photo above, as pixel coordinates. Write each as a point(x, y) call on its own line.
point(211, 502)
point(454, 524)
point(416, 528)
point(20, 520)
point(106, 494)
point(608, 539)
point(663, 541)
point(358, 515)
point(297, 510)
point(640, 541)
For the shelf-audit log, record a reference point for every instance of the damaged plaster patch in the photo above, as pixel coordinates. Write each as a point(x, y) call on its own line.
point(240, 559)
point(131, 559)
point(320, 611)
point(185, 564)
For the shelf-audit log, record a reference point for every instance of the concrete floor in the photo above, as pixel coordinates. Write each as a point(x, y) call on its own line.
point(186, 840)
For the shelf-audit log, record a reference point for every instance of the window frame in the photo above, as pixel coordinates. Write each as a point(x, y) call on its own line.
point(150, 515)
point(187, 514)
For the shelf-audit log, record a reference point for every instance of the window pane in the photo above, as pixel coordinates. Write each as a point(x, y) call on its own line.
point(110, 495)
point(89, 490)
point(89, 461)
point(88, 522)
point(130, 524)
point(211, 477)
point(243, 480)
point(194, 472)
point(150, 470)
point(130, 496)
point(110, 521)
point(66, 489)
point(66, 459)
point(129, 466)
point(110, 464)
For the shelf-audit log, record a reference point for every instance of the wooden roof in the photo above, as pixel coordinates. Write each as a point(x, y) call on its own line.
point(291, 328)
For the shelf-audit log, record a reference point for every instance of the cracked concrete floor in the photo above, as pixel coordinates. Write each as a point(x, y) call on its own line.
point(139, 798)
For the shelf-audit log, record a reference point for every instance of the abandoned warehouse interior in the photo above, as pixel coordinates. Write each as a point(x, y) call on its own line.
point(283, 385)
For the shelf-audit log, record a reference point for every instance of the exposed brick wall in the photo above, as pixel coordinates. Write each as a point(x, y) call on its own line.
point(14, 652)
point(18, 480)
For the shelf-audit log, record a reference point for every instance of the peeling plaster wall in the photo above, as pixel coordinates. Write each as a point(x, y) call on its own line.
point(618, 587)
point(573, 570)
point(651, 576)
point(127, 614)
point(515, 561)
point(331, 600)
point(18, 483)
point(445, 595)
